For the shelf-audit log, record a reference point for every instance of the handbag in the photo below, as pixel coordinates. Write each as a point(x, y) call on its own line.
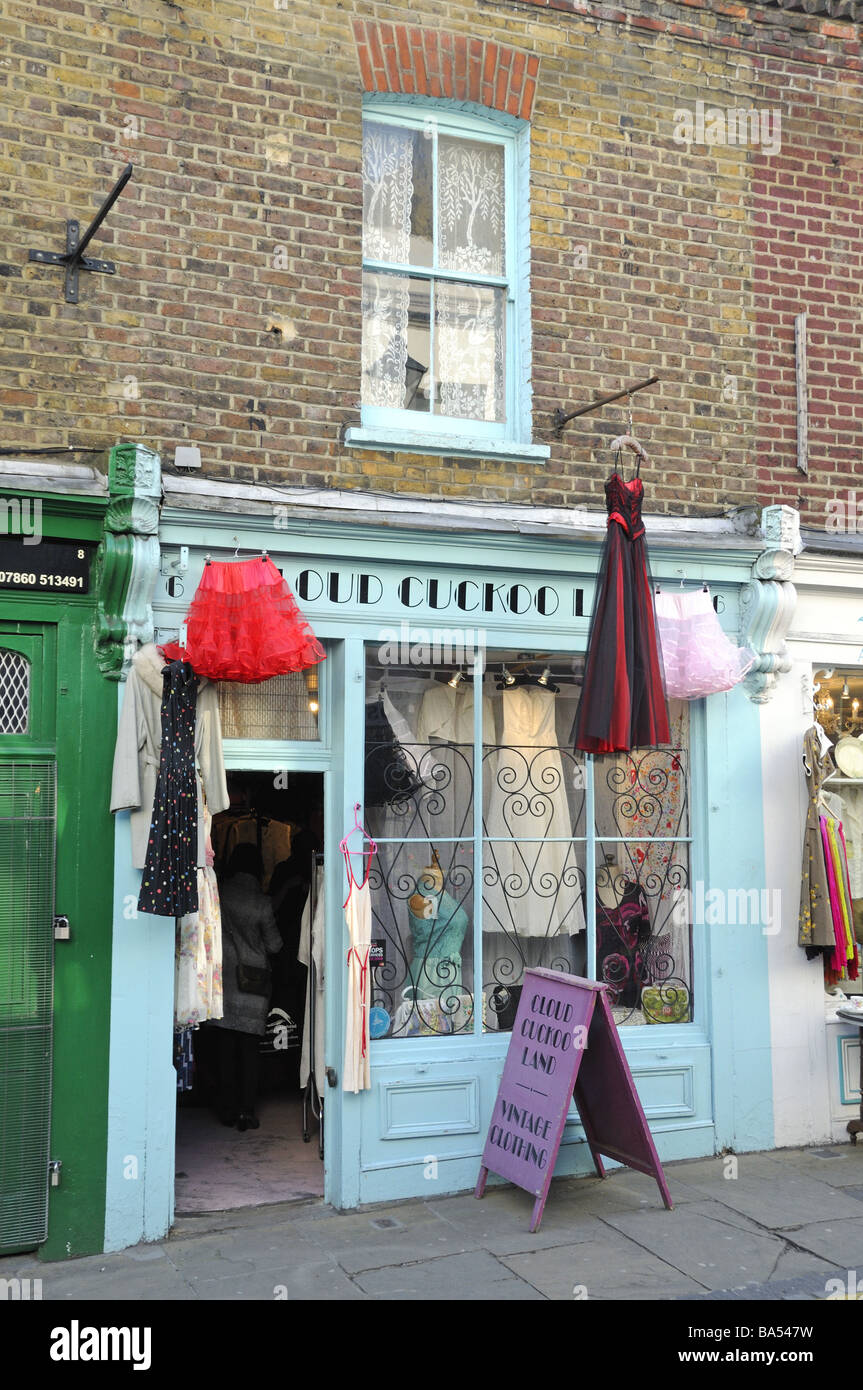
point(254, 979)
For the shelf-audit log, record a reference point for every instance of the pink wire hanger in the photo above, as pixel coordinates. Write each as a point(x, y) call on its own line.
point(370, 848)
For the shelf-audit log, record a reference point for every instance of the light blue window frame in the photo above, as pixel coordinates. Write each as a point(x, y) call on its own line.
point(408, 430)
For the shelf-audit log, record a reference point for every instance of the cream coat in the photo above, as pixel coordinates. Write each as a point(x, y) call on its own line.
point(136, 756)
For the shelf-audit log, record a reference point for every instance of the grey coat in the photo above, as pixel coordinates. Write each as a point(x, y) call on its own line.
point(139, 740)
point(250, 936)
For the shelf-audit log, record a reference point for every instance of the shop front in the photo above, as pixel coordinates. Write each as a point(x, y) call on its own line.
point(441, 724)
point(815, 1040)
point(68, 552)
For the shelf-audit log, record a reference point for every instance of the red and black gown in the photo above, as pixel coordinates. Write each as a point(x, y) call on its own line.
point(623, 696)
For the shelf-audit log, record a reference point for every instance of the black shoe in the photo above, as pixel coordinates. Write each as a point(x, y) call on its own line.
point(248, 1121)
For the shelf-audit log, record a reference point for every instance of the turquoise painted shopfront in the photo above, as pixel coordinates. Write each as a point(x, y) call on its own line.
point(486, 823)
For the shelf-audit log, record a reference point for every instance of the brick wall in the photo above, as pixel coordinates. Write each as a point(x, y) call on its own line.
point(808, 209)
point(233, 320)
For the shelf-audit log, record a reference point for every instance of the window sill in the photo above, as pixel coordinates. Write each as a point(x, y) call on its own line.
point(448, 445)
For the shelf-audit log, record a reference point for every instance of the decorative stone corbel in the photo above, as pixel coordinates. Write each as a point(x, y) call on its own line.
point(768, 601)
point(127, 561)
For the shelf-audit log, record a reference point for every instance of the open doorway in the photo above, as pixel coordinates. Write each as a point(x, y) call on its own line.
point(249, 1129)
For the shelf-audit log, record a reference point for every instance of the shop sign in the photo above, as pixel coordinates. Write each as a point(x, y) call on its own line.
point(479, 596)
point(564, 1042)
point(49, 567)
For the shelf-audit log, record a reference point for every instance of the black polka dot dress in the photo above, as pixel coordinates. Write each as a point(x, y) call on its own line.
point(169, 887)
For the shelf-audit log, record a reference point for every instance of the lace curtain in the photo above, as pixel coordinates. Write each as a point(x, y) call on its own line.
point(469, 320)
point(387, 196)
point(470, 206)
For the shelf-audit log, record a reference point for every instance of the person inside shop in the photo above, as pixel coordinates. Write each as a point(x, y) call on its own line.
point(249, 938)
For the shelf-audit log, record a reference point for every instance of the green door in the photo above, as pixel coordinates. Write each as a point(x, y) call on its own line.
point(27, 849)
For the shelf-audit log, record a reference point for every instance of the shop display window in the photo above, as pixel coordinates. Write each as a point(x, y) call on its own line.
point(505, 825)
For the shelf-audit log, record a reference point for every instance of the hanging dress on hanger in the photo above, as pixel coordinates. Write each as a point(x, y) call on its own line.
point(198, 960)
point(531, 885)
point(244, 625)
point(623, 699)
point(169, 886)
point(697, 657)
point(358, 917)
point(815, 920)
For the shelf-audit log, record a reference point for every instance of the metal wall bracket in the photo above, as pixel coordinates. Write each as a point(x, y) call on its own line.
point(559, 419)
point(73, 258)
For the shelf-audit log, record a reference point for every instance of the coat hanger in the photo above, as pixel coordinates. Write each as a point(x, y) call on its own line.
point(370, 848)
point(264, 554)
point(628, 441)
point(704, 587)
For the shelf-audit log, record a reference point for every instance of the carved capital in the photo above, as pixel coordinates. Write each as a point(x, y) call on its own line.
point(134, 471)
point(780, 527)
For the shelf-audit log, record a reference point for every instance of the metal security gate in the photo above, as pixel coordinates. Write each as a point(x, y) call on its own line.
point(27, 845)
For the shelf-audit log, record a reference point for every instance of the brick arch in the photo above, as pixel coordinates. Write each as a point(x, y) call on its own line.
point(405, 59)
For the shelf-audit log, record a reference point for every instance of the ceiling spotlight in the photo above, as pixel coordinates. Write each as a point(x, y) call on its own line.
point(454, 680)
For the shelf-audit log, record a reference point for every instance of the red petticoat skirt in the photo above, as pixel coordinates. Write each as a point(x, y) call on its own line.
point(244, 624)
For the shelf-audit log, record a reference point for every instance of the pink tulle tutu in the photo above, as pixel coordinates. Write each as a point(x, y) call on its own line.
point(244, 624)
point(698, 657)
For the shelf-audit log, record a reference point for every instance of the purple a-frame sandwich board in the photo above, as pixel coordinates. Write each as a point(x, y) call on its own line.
point(564, 1041)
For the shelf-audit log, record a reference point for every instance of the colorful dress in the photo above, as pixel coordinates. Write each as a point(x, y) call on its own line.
point(623, 698)
point(169, 887)
point(815, 921)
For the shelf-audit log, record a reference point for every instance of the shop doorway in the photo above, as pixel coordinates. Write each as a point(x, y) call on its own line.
point(250, 1126)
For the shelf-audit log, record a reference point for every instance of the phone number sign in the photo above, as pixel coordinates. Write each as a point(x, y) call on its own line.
point(50, 566)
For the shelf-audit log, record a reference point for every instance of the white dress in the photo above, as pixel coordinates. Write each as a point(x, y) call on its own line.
point(530, 889)
point(446, 720)
point(198, 958)
point(358, 917)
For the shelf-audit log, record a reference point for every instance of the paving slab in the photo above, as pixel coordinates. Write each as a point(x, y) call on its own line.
point(473, 1277)
point(276, 1250)
point(298, 1283)
point(359, 1240)
point(609, 1267)
point(839, 1241)
point(778, 1196)
point(698, 1243)
point(805, 1288)
point(505, 1230)
point(838, 1165)
point(140, 1282)
point(713, 1246)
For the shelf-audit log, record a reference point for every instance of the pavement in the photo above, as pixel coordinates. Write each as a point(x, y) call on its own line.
point(767, 1226)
